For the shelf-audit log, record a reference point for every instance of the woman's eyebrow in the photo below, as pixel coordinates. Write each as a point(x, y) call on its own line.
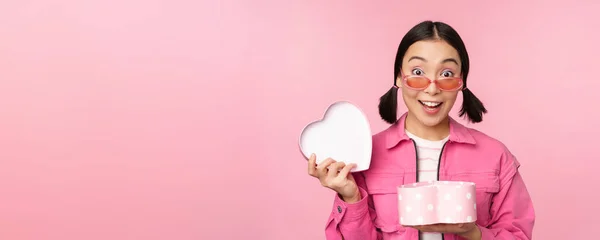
point(425, 60)
point(417, 58)
point(450, 60)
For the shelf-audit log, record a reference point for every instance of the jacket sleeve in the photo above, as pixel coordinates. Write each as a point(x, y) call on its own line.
point(512, 211)
point(353, 221)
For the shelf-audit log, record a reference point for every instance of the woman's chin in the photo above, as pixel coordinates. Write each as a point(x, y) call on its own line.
point(432, 120)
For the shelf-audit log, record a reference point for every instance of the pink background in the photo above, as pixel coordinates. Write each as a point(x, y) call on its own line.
point(179, 119)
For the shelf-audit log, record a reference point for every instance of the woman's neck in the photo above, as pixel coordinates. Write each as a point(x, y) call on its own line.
point(432, 133)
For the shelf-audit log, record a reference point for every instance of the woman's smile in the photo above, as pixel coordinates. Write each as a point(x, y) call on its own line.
point(431, 107)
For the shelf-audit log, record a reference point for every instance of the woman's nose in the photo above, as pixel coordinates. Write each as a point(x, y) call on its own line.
point(432, 89)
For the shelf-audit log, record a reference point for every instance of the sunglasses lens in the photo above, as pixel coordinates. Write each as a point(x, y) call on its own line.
point(449, 83)
point(417, 82)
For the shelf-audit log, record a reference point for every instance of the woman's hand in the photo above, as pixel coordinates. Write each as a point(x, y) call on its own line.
point(469, 231)
point(335, 175)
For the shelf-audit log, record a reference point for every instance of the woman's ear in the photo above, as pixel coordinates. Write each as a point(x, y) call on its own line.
point(398, 82)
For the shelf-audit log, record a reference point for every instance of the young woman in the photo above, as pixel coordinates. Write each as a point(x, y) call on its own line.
point(425, 144)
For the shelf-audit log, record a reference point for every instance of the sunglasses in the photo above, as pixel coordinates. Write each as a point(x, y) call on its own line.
point(416, 82)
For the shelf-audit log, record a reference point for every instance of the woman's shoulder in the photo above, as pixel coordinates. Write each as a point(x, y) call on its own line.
point(493, 147)
point(379, 137)
point(487, 141)
point(384, 138)
point(382, 142)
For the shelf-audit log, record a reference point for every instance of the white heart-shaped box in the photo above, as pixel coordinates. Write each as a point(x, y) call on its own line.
point(343, 134)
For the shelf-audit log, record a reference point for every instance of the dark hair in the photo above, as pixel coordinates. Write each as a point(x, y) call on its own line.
point(428, 30)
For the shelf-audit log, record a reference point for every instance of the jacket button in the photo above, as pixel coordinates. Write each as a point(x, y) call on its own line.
point(339, 209)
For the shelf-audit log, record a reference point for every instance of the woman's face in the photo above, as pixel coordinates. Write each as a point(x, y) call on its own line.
point(433, 59)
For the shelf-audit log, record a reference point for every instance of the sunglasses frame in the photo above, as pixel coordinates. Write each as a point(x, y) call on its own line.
point(406, 77)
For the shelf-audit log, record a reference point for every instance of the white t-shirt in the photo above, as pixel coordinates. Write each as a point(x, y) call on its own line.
point(428, 155)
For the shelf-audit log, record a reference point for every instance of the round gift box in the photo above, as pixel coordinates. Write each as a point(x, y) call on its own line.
point(434, 202)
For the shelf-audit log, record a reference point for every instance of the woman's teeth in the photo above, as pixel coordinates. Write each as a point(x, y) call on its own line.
point(431, 104)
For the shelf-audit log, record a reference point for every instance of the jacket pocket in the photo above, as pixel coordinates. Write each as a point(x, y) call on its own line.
point(383, 190)
point(487, 185)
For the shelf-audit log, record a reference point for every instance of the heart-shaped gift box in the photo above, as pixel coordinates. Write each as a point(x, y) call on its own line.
point(343, 134)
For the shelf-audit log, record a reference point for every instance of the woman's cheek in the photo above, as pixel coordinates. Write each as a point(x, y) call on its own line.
point(409, 94)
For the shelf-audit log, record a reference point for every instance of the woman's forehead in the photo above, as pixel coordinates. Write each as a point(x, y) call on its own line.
point(432, 52)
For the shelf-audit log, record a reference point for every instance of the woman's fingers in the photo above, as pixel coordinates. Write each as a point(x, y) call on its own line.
point(334, 169)
point(312, 165)
point(329, 171)
point(322, 167)
point(344, 172)
point(443, 228)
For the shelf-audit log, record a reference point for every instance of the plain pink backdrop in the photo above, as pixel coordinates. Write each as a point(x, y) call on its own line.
point(179, 119)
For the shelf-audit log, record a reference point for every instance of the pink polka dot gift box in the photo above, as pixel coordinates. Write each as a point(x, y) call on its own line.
point(435, 202)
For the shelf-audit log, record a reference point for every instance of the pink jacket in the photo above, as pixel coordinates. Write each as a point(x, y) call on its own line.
point(504, 207)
